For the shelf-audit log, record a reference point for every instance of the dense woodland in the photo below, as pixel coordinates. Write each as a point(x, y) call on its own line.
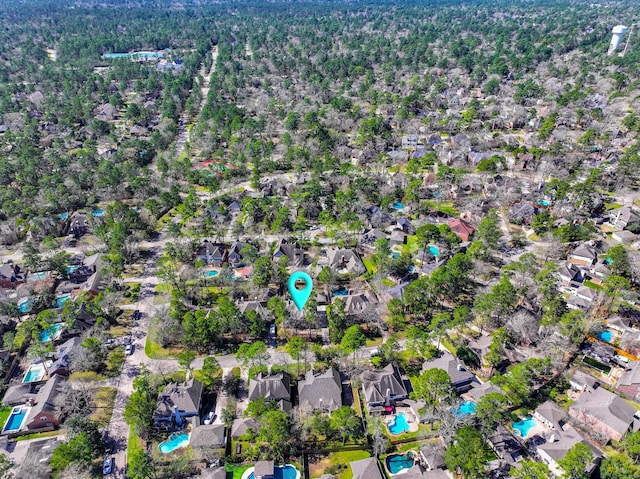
point(301, 112)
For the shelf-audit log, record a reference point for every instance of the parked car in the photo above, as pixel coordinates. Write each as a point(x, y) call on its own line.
point(210, 418)
point(128, 349)
point(107, 467)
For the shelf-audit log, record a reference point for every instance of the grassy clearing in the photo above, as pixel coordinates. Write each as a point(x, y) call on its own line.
point(342, 459)
point(371, 268)
point(103, 401)
point(592, 285)
point(237, 470)
point(374, 342)
point(134, 444)
point(37, 435)
point(86, 377)
point(5, 412)
point(153, 349)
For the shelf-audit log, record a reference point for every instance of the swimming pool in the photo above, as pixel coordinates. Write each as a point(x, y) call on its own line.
point(34, 373)
point(395, 255)
point(279, 472)
point(209, 274)
point(37, 276)
point(61, 300)
point(63, 216)
point(50, 333)
point(97, 213)
point(15, 419)
point(434, 251)
point(398, 424)
point(175, 441)
point(524, 425)
point(543, 202)
point(398, 205)
point(26, 305)
point(340, 292)
point(606, 336)
point(72, 268)
point(399, 462)
point(467, 408)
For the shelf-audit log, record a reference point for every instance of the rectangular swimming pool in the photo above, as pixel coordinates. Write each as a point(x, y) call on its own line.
point(15, 420)
point(34, 373)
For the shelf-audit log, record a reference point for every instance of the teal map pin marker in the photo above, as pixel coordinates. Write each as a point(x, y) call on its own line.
point(300, 296)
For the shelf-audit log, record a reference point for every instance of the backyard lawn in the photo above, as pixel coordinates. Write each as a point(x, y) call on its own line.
point(5, 411)
point(316, 469)
point(236, 470)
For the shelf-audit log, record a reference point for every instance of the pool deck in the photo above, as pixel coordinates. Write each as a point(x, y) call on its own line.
point(248, 472)
point(411, 420)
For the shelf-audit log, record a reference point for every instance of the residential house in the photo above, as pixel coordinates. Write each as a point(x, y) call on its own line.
point(258, 306)
point(433, 455)
point(369, 237)
point(581, 381)
point(294, 254)
point(505, 446)
point(62, 357)
point(584, 255)
point(397, 238)
point(234, 207)
point(366, 469)
point(211, 473)
point(624, 236)
point(629, 382)
point(462, 228)
point(360, 303)
point(178, 401)
point(461, 378)
point(618, 323)
point(264, 470)
point(603, 412)
point(36, 460)
point(621, 218)
point(78, 223)
point(436, 474)
point(242, 426)
point(11, 275)
point(208, 436)
point(20, 393)
point(235, 256)
point(481, 345)
point(480, 390)
point(405, 225)
point(569, 272)
point(599, 272)
point(214, 254)
point(382, 387)
point(345, 261)
point(562, 438)
point(320, 391)
point(409, 141)
point(276, 387)
point(45, 414)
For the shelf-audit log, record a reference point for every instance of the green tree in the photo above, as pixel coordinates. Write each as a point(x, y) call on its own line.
point(185, 360)
point(141, 465)
point(619, 260)
point(530, 470)
point(618, 467)
point(353, 340)
point(489, 229)
point(337, 319)
point(346, 422)
point(255, 354)
point(263, 271)
point(631, 445)
point(275, 431)
point(211, 373)
point(457, 457)
point(434, 387)
point(138, 412)
point(295, 347)
point(575, 463)
point(492, 409)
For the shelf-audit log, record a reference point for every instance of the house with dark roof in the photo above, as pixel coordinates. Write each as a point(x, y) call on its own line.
point(62, 357)
point(234, 207)
point(242, 426)
point(405, 225)
point(433, 455)
point(554, 446)
point(20, 393)
point(214, 254)
point(345, 261)
point(177, 402)
point(78, 223)
point(461, 378)
point(320, 391)
point(11, 275)
point(629, 382)
point(569, 272)
point(584, 255)
point(603, 412)
point(366, 469)
point(397, 237)
point(505, 446)
point(276, 387)
point(359, 303)
point(235, 256)
point(295, 255)
point(45, 414)
point(480, 390)
point(383, 387)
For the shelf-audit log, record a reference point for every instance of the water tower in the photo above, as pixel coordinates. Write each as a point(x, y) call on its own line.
point(618, 32)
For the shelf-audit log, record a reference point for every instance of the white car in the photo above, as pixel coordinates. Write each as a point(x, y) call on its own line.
point(128, 349)
point(210, 418)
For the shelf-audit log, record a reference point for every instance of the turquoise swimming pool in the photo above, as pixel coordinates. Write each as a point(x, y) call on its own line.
point(281, 472)
point(37, 276)
point(524, 425)
point(210, 274)
point(399, 462)
point(398, 424)
point(15, 419)
point(398, 205)
point(26, 305)
point(34, 373)
point(175, 441)
point(61, 300)
point(606, 336)
point(97, 213)
point(50, 333)
point(467, 408)
point(434, 251)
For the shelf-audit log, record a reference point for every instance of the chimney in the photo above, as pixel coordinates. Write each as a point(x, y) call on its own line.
point(552, 438)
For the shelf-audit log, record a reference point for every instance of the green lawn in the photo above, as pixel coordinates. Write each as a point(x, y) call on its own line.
point(591, 285)
point(237, 470)
point(134, 444)
point(37, 435)
point(5, 412)
point(338, 458)
point(371, 268)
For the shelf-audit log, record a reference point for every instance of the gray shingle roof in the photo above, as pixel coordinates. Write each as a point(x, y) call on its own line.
point(366, 469)
point(631, 375)
point(607, 407)
point(376, 383)
point(321, 390)
point(185, 396)
point(275, 386)
point(454, 368)
point(207, 436)
point(340, 258)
